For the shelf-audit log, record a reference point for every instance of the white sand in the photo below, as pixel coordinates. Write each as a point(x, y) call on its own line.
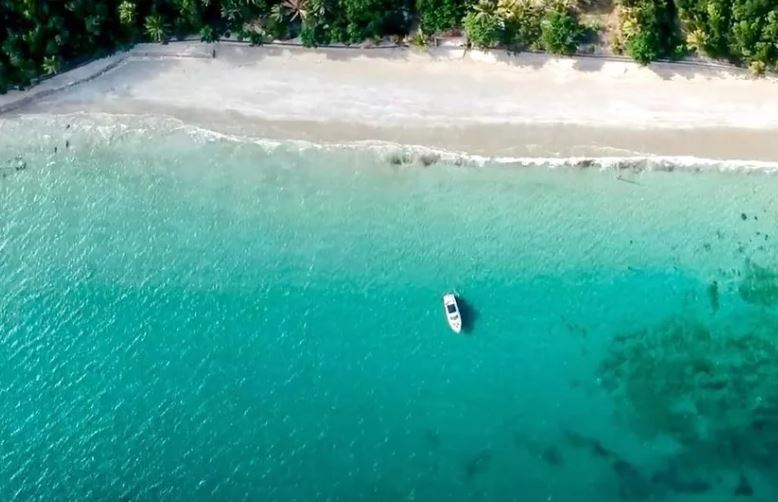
point(483, 103)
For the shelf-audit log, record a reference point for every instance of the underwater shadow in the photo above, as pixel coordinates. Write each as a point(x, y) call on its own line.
point(468, 313)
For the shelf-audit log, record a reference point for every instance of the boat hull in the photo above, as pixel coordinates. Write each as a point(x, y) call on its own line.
point(451, 309)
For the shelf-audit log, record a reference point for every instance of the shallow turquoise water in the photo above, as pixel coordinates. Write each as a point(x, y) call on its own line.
point(203, 319)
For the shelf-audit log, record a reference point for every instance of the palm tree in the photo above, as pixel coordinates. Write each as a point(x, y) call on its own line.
point(51, 64)
point(315, 8)
point(239, 12)
point(485, 8)
point(696, 40)
point(507, 9)
point(290, 9)
point(156, 29)
point(127, 12)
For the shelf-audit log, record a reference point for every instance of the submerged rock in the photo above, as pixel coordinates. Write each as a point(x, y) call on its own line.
point(432, 438)
point(713, 296)
point(743, 488)
point(550, 454)
point(573, 327)
point(679, 481)
point(584, 163)
point(594, 445)
point(759, 285)
point(398, 158)
point(632, 484)
point(428, 159)
point(477, 464)
point(395, 160)
point(553, 456)
point(7, 167)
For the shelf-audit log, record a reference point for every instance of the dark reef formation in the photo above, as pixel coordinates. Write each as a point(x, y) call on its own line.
point(714, 389)
point(759, 285)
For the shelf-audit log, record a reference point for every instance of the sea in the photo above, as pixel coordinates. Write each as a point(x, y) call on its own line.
point(186, 315)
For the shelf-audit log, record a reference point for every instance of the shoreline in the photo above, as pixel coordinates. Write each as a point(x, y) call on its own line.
point(99, 130)
point(486, 104)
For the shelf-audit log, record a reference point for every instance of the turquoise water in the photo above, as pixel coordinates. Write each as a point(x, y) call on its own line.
point(192, 318)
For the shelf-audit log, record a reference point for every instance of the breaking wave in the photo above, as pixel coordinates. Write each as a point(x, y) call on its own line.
point(102, 128)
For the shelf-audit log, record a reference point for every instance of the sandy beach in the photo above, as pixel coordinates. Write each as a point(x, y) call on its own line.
point(480, 103)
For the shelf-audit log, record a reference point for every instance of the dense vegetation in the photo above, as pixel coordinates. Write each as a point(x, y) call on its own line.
point(40, 37)
point(744, 31)
point(524, 24)
point(440, 16)
point(648, 30)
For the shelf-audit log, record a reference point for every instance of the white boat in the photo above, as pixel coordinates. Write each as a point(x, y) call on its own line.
point(452, 312)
